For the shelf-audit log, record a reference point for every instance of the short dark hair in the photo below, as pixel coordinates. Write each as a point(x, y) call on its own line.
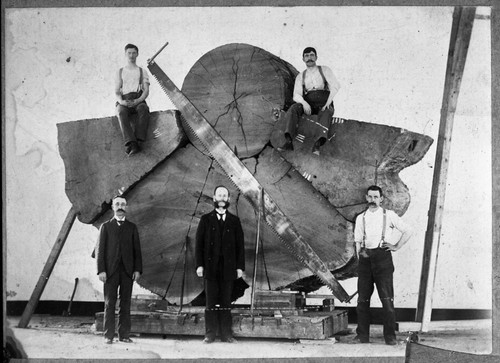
point(128, 46)
point(309, 50)
point(222, 186)
point(118, 196)
point(375, 188)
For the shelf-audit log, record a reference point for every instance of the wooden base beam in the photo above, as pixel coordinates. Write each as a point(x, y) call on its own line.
point(307, 326)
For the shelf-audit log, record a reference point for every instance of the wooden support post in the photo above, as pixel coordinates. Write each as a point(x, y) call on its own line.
point(256, 258)
point(47, 269)
point(184, 263)
point(463, 19)
point(495, 160)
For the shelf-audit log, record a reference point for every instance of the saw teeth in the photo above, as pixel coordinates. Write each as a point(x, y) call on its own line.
point(308, 258)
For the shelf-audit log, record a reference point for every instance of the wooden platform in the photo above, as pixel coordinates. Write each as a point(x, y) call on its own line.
point(308, 325)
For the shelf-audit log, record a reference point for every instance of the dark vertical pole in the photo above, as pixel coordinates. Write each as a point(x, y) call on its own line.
point(47, 269)
point(463, 19)
point(256, 257)
point(184, 271)
point(495, 160)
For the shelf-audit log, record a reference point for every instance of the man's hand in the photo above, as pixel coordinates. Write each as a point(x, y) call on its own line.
point(239, 273)
point(388, 247)
point(325, 106)
point(307, 108)
point(133, 103)
point(103, 277)
point(136, 275)
point(199, 271)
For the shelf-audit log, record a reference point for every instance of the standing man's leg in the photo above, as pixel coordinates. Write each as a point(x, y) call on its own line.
point(365, 291)
point(124, 323)
point(110, 296)
point(225, 317)
point(211, 317)
point(142, 121)
point(383, 276)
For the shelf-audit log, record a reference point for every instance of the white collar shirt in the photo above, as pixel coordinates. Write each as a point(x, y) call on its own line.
point(371, 229)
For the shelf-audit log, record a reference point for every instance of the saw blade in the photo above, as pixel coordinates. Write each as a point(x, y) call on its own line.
point(246, 182)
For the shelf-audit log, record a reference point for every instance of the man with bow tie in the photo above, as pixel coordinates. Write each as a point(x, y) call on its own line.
point(220, 260)
point(119, 264)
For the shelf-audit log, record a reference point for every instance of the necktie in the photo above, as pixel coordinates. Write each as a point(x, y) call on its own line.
point(221, 220)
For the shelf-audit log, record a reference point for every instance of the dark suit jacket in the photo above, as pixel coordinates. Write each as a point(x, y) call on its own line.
point(209, 238)
point(118, 243)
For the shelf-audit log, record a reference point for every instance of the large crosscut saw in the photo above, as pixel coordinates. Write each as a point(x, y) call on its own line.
point(245, 181)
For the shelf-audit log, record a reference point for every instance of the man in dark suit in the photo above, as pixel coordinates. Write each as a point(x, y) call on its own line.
point(119, 264)
point(220, 259)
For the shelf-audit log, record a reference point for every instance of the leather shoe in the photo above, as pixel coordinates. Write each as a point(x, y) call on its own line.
point(391, 342)
point(134, 148)
point(108, 341)
point(315, 149)
point(288, 145)
point(229, 340)
point(357, 339)
point(128, 147)
point(125, 340)
point(208, 340)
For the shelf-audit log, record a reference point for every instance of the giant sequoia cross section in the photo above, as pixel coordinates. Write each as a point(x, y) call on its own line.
point(246, 182)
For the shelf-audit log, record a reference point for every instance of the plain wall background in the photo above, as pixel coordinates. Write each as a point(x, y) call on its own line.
point(391, 61)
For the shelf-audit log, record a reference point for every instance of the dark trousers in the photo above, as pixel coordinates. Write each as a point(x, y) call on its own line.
point(218, 292)
point(125, 119)
point(316, 100)
point(119, 280)
point(376, 269)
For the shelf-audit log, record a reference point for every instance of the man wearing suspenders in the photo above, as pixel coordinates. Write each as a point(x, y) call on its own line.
point(313, 93)
point(131, 90)
point(377, 233)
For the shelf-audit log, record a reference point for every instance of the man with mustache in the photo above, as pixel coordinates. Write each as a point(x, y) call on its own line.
point(131, 91)
point(377, 233)
point(119, 264)
point(220, 260)
point(313, 93)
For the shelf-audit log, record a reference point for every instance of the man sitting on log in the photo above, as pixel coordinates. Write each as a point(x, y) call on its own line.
point(220, 260)
point(313, 93)
point(131, 90)
point(375, 240)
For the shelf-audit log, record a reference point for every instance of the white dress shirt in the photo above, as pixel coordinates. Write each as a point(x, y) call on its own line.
point(373, 223)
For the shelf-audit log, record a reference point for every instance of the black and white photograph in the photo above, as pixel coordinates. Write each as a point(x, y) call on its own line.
point(253, 181)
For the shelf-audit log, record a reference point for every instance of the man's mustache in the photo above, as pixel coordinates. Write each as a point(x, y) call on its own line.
point(372, 203)
point(121, 210)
